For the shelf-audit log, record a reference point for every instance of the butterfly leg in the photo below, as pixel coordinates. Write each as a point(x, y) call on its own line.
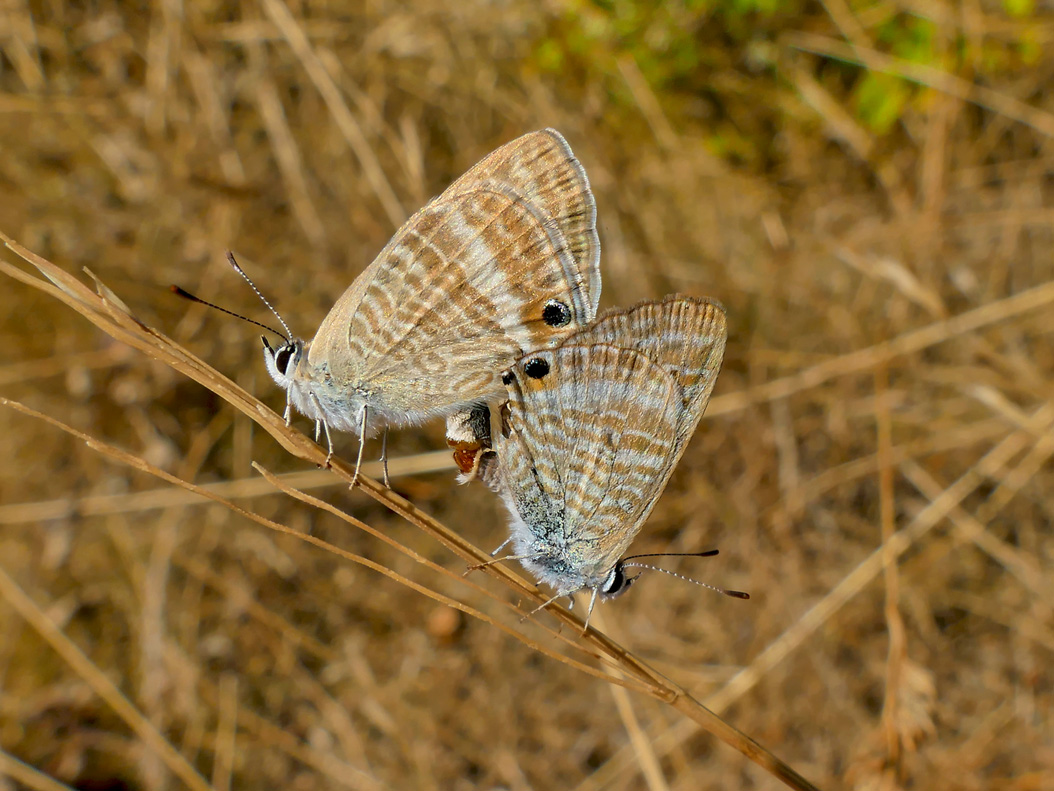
point(501, 546)
point(384, 458)
point(478, 566)
point(287, 416)
point(362, 444)
point(540, 607)
point(589, 614)
point(325, 427)
point(329, 442)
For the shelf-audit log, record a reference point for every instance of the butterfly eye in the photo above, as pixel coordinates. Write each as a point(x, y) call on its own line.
point(617, 581)
point(536, 368)
point(556, 313)
point(282, 358)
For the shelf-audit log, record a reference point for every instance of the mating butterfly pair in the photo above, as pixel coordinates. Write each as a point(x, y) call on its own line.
point(486, 296)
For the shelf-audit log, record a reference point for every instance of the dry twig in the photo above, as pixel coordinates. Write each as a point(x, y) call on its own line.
point(109, 313)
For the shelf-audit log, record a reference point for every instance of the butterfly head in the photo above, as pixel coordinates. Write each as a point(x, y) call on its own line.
point(282, 361)
point(570, 567)
point(562, 572)
point(617, 582)
point(311, 391)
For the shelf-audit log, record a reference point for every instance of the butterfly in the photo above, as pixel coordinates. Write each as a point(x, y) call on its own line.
point(503, 262)
point(592, 432)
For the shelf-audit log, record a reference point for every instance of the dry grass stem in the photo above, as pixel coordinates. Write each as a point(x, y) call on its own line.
point(244, 488)
point(821, 612)
point(865, 187)
point(894, 621)
point(28, 776)
point(864, 360)
point(110, 314)
point(342, 115)
point(226, 734)
point(20, 601)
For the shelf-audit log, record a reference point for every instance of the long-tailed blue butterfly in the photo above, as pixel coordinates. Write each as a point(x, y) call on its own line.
point(592, 432)
point(504, 262)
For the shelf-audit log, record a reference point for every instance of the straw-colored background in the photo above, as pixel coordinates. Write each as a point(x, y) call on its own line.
point(735, 151)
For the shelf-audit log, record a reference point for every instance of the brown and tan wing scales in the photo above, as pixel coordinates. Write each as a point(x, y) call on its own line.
point(545, 171)
point(461, 291)
point(475, 274)
point(684, 335)
point(589, 448)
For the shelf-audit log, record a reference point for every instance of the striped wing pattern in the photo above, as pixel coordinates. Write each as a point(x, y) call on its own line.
point(548, 174)
point(459, 292)
point(589, 450)
point(684, 335)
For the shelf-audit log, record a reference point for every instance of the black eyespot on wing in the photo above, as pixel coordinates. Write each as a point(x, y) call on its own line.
point(508, 378)
point(282, 358)
point(536, 368)
point(556, 313)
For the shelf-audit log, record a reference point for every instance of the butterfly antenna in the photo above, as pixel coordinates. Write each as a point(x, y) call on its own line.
point(182, 292)
point(725, 591)
point(707, 554)
point(263, 299)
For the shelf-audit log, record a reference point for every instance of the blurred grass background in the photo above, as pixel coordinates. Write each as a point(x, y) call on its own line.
point(840, 175)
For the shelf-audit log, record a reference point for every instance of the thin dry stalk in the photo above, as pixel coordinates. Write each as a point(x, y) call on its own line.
point(647, 760)
point(241, 489)
point(60, 364)
point(894, 622)
point(345, 120)
point(31, 777)
point(286, 152)
point(957, 439)
point(110, 314)
point(866, 359)
point(843, 127)
point(13, 594)
point(226, 733)
point(859, 578)
point(971, 528)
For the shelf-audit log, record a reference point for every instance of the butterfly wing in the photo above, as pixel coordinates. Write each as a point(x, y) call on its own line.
point(469, 283)
point(684, 335)
point(546, 172)
point(591, 431)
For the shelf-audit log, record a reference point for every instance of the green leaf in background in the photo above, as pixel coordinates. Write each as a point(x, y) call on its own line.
point(1019, 8)
point(879, 100)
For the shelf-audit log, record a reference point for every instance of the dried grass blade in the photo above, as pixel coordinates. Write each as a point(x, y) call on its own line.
point(1034, 117)
point(240, 489)
point(29, 776)
point(20, 601)
point(669, 740)
point(867, 358)
point(658, 689)
point(127, 329)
